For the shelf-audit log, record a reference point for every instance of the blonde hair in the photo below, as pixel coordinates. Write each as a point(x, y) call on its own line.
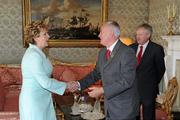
point(33, 30)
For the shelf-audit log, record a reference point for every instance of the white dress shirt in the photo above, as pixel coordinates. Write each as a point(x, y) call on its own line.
point(144, 48)
point(112, 46)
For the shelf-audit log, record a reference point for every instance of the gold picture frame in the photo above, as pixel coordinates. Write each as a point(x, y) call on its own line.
point(39, 9)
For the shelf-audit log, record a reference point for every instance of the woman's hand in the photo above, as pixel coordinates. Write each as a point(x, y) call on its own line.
point(72, 86)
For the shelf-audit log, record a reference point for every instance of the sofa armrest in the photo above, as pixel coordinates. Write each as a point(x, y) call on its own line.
point(2, 97)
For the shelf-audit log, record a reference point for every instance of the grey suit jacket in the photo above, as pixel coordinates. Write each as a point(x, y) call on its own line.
point(119, 84)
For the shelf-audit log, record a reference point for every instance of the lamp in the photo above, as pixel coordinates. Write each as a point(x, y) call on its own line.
point(126, 41)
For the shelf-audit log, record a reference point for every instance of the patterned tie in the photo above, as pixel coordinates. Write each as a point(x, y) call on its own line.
point(139, 56)
point(108, 54)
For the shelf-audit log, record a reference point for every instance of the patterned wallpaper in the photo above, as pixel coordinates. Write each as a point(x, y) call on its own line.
point(11, 49)
point(129, 13)
point(159, 20)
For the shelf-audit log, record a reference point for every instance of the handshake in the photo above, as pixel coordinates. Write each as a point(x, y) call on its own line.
point(94, 92)
point(73, 86)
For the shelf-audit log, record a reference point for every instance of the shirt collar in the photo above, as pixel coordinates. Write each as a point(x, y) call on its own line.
point(112, 46)
point(144, 45)
point(38, 49)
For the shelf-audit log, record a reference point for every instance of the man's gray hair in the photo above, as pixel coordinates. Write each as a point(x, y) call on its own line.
point(147, 27)
point(115, 26)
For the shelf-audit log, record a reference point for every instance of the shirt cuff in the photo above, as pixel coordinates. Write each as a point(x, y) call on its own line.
point(79, 86)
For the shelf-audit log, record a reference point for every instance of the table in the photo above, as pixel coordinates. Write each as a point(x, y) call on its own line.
point(65, 102)
point(66, 109)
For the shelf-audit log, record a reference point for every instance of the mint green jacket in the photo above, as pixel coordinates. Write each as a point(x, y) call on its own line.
point(35, 101)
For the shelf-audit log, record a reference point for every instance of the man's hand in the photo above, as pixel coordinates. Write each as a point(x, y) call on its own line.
point(95, 92)
point(72, 86)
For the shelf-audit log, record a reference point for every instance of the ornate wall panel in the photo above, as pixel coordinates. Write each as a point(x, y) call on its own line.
point(129, 13)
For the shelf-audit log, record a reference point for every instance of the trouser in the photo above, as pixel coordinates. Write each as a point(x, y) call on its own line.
point(148, 110)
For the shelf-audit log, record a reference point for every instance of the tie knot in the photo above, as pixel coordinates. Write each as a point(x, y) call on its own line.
point(141, 47)
point(108, 51)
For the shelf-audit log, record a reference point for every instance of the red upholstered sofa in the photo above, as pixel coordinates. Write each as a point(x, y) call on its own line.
point(10, 84)
point(11, 80)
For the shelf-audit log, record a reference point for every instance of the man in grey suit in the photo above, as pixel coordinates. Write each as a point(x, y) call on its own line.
point(116, 67)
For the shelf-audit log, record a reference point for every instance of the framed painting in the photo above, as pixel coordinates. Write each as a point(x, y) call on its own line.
point(72, 23)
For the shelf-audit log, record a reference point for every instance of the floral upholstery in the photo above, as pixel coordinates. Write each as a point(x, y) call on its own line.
point(76, 70)
point(6, 77)
point(161, 115)
point(16, 73)
point(12, 98)
point(68, 75)
point(10, 84)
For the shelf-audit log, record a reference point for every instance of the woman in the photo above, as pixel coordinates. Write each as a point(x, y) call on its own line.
point(35, 101)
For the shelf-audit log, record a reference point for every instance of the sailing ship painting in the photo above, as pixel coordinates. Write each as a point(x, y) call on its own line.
point(69, 19)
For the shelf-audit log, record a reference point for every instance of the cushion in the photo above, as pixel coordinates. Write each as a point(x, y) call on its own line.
point(57, 71)
point(12, 98)
point(1, 70)
point(2, 97)
point(68, 75)
point(16, 73)
point(12, 103)
point(161, 115)
point(80, 70)
point(7, 78)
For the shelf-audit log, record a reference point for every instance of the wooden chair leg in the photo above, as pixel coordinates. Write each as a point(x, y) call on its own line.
point(59, 114)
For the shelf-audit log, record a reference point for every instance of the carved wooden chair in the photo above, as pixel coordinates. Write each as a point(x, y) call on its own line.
point(165, 101)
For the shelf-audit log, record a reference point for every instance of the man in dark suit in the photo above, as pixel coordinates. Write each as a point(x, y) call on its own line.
point(150, 69)
point(116, 67)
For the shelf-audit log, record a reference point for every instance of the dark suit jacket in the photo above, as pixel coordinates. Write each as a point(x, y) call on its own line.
point(118, 78)
point(150, 70)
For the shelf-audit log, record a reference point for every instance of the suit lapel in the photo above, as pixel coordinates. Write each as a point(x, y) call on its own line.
point(104, 57)
point(135, 47)
point(113, 53)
